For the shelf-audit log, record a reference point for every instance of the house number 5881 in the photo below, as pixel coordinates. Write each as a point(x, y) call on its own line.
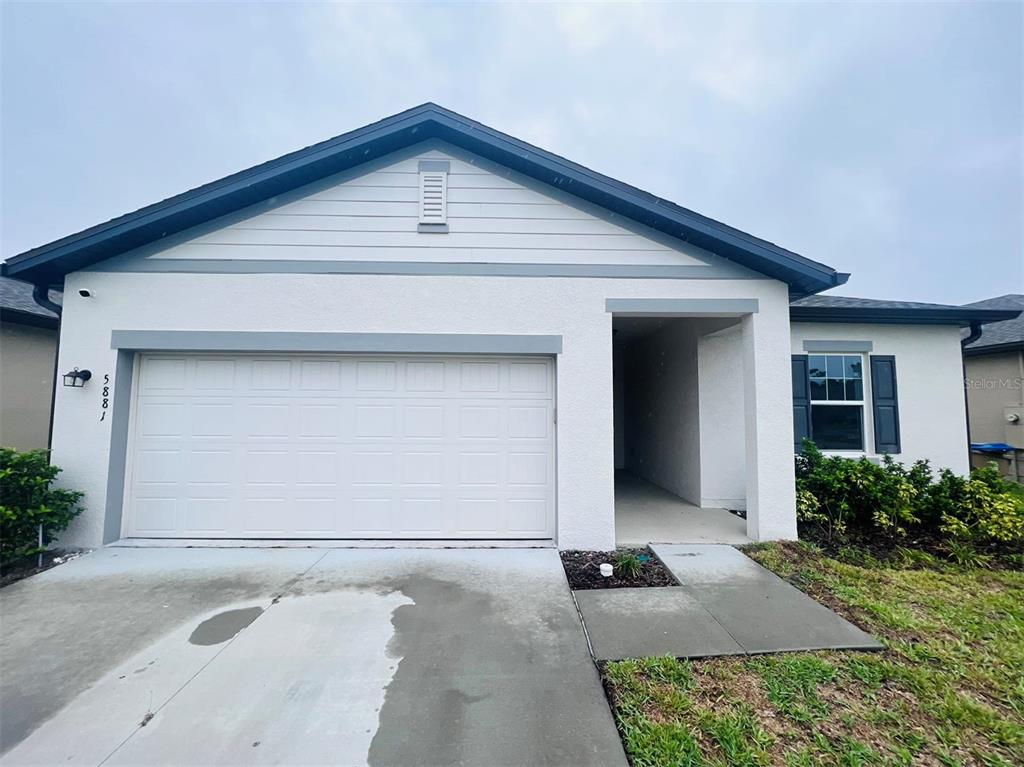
point(106, 396)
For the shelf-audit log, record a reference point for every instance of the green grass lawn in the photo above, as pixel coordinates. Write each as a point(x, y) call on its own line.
point(948, 690)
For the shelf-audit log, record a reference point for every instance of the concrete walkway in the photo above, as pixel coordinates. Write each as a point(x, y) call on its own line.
point(726, 604)
point(299, 656)
point(646, 513)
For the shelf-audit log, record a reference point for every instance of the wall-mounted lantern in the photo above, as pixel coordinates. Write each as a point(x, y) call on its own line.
point(77, 377)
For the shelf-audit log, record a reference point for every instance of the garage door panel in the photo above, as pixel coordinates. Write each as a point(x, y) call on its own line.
point(374, 421)
point(267, 375)
point(205, 515)
point(212, 419)
point(371, 517)
point(155, 513)
point(479, 422)
point(162, 374)
point(309, 446)
point(162, 419)
point(319, 375)
point(527, 469)
point(209, 466)
point(213, 375)
point(318, 468)
point(423, 421)
point(527, 515)
point(424, 377)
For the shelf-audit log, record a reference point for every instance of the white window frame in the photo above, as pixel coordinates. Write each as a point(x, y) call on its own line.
point(862, 402)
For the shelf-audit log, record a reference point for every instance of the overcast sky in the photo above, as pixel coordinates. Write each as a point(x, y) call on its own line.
point(883, 139)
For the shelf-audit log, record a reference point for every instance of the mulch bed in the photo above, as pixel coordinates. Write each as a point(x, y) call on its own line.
point(882, 549)
point(583, 569)
point(23, 568)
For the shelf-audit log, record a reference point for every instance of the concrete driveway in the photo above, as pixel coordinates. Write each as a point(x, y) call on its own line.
point(300, 656)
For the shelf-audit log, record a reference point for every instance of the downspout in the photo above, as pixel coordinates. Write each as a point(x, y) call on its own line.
point(970, 338)
point(41, 295)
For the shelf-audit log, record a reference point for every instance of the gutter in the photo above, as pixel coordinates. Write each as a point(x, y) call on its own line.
point(41, 295)
point(970, 338)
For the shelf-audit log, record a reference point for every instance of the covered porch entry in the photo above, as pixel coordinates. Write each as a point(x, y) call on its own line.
point(694, 384)
point(646, 513)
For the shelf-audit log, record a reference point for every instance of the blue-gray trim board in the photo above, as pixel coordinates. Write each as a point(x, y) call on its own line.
point(423, 268)
point(838, 346)
point(119, 419)
point(681, 307)
point(372, 343)
point(435, 166)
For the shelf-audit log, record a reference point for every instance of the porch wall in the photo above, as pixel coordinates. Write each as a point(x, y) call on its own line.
point(723, 466)
point(662, 413)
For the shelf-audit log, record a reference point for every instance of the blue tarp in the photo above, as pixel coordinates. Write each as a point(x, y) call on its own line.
point(992, 447)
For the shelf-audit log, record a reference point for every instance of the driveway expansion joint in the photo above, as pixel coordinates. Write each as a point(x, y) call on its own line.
point(152, 712)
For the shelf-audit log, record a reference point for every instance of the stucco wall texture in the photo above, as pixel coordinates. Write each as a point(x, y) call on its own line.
point(571, 307)
point(995, 384)
point(26, 378)
point(933, 419)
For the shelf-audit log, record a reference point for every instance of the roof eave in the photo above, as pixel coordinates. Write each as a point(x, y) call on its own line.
point(894, 316)
point(48, 264)
point(20, 317)
point(979, 351)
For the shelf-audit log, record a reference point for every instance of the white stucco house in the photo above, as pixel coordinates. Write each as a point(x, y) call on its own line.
point(428, 329)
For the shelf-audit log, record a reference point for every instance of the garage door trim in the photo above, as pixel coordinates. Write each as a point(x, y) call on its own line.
point(366, 343)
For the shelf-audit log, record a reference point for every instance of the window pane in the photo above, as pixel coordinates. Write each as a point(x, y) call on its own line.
point(818, 388)
point(816, 366)
point(835, 366)
point(837, 427)
point(854, 389)
point(854, 367)
point(836, 390)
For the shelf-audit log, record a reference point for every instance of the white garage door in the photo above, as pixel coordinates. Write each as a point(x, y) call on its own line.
point(316, 446)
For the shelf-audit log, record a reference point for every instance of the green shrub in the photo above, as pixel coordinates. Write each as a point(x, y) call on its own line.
point(989, 511)
point(837, 494)
point(27, 501)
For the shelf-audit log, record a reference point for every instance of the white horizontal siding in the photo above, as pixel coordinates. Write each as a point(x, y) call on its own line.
point(435, 254)
point(492, 218)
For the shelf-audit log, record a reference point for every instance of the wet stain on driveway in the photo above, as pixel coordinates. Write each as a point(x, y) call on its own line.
point(224, 626)
point(481, 680)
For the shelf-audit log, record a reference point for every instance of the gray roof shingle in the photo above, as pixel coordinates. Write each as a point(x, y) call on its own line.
point(1007, 332)
point(17, 296)
point(849, 302)
point(819, 308)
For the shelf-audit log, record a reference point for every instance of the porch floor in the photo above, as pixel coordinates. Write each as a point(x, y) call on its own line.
point(646, 513)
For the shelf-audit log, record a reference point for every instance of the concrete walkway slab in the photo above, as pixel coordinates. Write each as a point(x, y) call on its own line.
point(758, 609)
point(633, 623)
point(268, 656)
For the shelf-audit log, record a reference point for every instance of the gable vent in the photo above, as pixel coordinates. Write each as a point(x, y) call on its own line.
point(433, 195)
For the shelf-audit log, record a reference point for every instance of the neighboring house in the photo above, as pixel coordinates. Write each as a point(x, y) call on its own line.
point(28, 348)
point(406, 332)
point(994, 368)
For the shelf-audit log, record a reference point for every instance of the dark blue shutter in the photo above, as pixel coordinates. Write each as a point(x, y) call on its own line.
point(801, 401)
point(884, 403)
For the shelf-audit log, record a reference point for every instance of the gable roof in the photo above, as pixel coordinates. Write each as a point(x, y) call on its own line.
point(18, 306)
point(49, 263)
point(871, 310)
point(1000, 336)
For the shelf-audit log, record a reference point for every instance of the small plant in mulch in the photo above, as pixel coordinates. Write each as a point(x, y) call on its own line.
point(631, 568)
